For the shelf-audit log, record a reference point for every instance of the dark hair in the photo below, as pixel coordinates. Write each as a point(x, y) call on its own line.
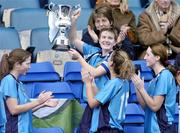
point(158, 49)
point(122, 65)
point(8, 61)
point(112, 30)
point(101, 11)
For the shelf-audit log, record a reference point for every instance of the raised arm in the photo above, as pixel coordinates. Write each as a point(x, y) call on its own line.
point(73, 33)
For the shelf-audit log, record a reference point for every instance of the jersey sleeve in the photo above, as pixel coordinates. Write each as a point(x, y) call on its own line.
point(9, 87)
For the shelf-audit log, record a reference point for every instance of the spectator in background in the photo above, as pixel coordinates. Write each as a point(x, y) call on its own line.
point(160, 23)
point(158, 100)
point(112, 100)
point(17, 105)
point(121, 19)
point(102, 18)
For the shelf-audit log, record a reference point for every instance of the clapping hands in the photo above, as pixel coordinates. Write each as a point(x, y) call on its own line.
point(44, 96)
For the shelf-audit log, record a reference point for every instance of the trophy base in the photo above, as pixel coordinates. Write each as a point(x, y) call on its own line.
point(61, 47)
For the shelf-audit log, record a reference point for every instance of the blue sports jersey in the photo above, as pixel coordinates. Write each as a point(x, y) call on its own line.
point(2, 114)
point(21, 123)
point(116, 92)
point(95, 59)
point(162, 85)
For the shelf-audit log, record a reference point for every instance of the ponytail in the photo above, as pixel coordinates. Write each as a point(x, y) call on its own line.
point(4, 65)
point(122, 65)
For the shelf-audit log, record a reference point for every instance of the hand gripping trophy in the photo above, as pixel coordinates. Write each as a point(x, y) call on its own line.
point(59, 21)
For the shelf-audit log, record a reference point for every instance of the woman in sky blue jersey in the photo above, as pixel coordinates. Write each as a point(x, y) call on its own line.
point(112, 100)
point(17, 105)
point(159, 99)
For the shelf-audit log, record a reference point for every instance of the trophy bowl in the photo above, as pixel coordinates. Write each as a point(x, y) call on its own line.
point(59, 21)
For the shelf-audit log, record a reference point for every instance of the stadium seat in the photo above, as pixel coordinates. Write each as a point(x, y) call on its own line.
point(19, 4)
point(83, 3)
point(176, 117)
point(59, 89)
point(137, 11)
point(134, 114)
point(28, 19)
point(133, 97)
point(82, 21)
point(40, 72)
point(72, 71)
point(47, 130)
point(72, 75)
point(145, 71)
point(9, 38)
point(40, 39)
point(134, 3)
point(134, 129)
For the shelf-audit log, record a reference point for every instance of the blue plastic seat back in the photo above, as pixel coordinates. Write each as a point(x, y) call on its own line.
point(133, 96)
point(42, 71)
point(59, 89)
point(19, 4)
point(137, 11)
point(40, 39)
point(28, 18)
point(83, 3)
point(72, 71)
point(134, 114)
point(9, 38)
point(77, 89)
point(145, 71)
point(82, 21)
point(47, 130)
point(134, 3)
point(134, 129)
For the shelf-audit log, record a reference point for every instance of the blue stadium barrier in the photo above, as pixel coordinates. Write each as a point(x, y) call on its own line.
point(9, 38)
point(40, 72)
point(59, 89)
point(47, 130)
point(28, 18)
point(134, 114)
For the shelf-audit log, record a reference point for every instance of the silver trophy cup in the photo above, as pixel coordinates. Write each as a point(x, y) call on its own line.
point(59, 24)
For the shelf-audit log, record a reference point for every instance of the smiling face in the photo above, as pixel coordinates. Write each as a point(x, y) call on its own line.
point(163, 4)
point(107, 40)
point(102, 22)
point(114, 2)
point(150, 58)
